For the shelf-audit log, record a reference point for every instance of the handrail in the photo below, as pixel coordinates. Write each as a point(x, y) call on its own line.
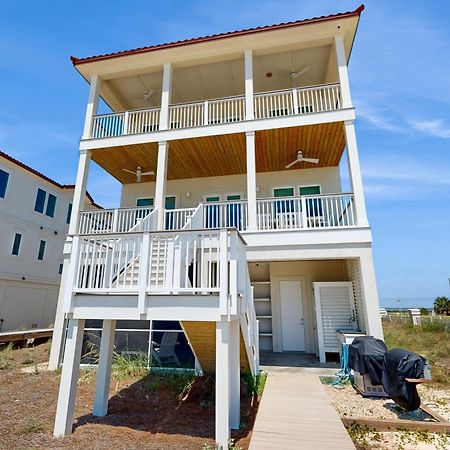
point(312, 86)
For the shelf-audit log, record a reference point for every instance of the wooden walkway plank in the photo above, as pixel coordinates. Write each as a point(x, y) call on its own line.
point(296, 413)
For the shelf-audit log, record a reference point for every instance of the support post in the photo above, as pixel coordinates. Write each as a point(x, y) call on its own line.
point(355, 174)
point(104, 368)
point(372, 316)
point(160, 189)
point(341, 60)
point(222, 384)
point(235, 376)
point(79, 197)
point(92, 106)
point(69, 376)
point(60, 322)
point(248, 63)
point(165, 97)
point(251, 181)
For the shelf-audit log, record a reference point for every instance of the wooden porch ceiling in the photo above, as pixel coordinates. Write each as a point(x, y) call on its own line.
point(225, 155)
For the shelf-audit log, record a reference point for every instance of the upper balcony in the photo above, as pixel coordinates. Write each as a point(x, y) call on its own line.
point(228, 110)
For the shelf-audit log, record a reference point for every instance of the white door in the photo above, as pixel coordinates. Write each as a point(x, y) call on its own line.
point(292, 323)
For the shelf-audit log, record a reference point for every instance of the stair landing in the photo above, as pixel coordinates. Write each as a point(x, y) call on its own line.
point(296, 413)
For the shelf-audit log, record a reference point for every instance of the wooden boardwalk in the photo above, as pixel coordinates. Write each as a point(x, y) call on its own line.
point(296, 413)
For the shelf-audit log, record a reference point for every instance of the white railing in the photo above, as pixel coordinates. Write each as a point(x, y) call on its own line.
point(142, 121)
point(297, 101)
point(176, 219)
point(229, 214)
point(116, 220)
point(309, 211)
point(108, 125)
point(182, 261)
point(287, 102)
point(226, 110)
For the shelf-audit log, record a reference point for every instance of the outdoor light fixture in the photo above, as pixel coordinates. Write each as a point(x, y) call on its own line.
point(188, 194)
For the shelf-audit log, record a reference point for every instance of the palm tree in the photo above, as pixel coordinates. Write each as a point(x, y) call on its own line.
point(442, 306)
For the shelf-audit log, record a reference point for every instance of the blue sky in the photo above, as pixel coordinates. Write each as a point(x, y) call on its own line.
point(400, 79)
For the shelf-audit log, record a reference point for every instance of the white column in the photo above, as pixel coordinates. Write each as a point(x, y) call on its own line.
point(355, 174)
point(341, 59)
point(92, 105)
point(69, 377)
point(59, 324)
point(165, 97)
point(160, 189)
point(235, 376)
point(222, 384)
point(251, 180)
point(104, 368)
point(372, 316)
point(79, 194)
point(249, 107)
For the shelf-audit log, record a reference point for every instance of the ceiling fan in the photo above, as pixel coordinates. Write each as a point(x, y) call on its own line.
point(139, 174)
point(299, 73)
point(147, 95)
point(300, 158)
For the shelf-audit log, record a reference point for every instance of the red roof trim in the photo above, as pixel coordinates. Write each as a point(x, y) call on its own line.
point(44, 177)
point(356, 12)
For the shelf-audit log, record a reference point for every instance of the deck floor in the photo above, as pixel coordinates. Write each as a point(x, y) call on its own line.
point(296, 413)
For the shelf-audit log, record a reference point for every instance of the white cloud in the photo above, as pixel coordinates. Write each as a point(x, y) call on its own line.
point(436, 128)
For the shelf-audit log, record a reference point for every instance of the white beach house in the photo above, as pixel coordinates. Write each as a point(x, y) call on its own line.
point(232, 219)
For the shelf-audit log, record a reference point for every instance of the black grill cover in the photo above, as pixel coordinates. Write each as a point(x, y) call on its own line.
point(366, 356)
point(398, 365)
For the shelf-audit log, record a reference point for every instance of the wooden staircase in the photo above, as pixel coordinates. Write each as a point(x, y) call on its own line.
point(202, 337)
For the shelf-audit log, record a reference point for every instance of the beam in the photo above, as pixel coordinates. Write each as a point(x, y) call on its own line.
point(222, 384)
point(251, 180)
point(68, 386)
point(161, 181)
point(104, 368)
point(92, 105)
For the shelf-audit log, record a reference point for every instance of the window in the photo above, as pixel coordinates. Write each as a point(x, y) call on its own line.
point(16, 244)
point(39, 204)
point(144, 202)
point(41, 250)
point(60, 270)
point(283, 192)
point(51, 203)
point(309, 190)
point(40, 201)
point(4, 177)
point(69, 213)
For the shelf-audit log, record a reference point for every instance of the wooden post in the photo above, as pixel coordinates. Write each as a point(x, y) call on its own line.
point(355, 174)
point(69, 376)
point(222, 384)
point(235, 375)
point(160, 189)
point(92, 106)
point(249, 107)
point(165, 97)
point(251, 180)
point(104, 368)
point(341, 60)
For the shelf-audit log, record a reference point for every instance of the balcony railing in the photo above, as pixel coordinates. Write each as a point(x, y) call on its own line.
point(289, 102)
point(276, 213)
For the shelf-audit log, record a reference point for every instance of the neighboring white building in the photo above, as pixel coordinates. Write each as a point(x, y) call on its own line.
point(34, 217)
point(244, 235)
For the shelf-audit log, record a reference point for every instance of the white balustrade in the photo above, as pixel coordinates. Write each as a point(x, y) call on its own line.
point(309, 211)
point(116, 220)
point(280, 103)
point(177, 219)
point(297, 101)
point(226, 110)
point(230, 214)
point(108, 125)
point(143, 121)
